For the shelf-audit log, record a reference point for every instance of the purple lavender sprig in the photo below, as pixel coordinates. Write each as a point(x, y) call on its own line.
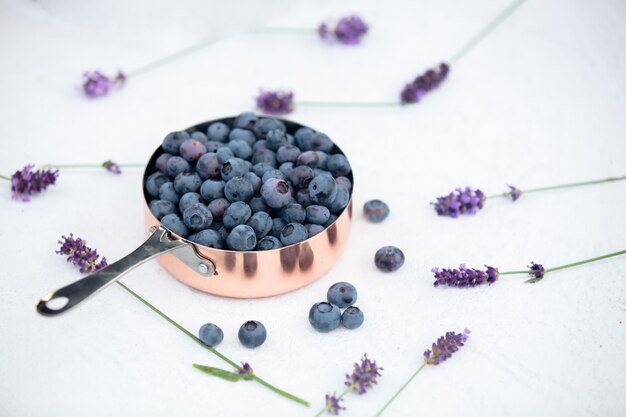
point(26, 182)
point(440, 351)
point(96, 84)
point(275, 102)
point(80, 254)
point(424, 83)
point(348, 31)
point(363, 377)
point(112, 167)
point(246, 371)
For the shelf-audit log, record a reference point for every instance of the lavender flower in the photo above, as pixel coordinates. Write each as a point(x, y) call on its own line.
point(80, 254)
point(537, 271)
point(275, 102)
point(515, 192)
point(415, 90)
point(348, 31)
point(332, 404)
point(112, 167)
point(363, 376)
point(95, 84)
point(464, 277)
point(27, 182)
point(247, 370)
point(445, 347)
point(459, 202)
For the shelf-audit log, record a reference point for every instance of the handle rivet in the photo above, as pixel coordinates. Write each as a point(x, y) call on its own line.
point(203, 268)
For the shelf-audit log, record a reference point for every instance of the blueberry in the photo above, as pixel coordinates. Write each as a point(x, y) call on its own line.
point(276, 193)
point(293, 213)
point(218, 131)
point(331, 220)
point(167, 192)
point(317, 214)
point(287, 153)
point(197, 217)
point(242, 134)
point(234, 167)
point(238, 189)
point(309, 158)
point(261, 223)
point(252, 334)
point(257, 204)
point(389, 258)
point(209, 166)
point(303, 136)
point(187, 183)
point(242, 237)
point(341, 200)
point(342, 294)
point(245, 120)
point(154, 183)
point(212, 146)
point(275, 139)
point(301, 176)
point(338, 165)
point(240, 148)
point(265, 125)
point(236, 214)
point(191, 150)
point(223, 154)
point(187, 200)
point(277, 226)
point(161, 162)
point(293, 233)
point(290, 139)
point(263, 155)
point(161, 208)
point(323, 189)
point(174, 224)
point(200, 137)
point(313, 229)
point(322, 158)
point(261, 168)
point(268, 243)
point(253, 179)
point(212, 189)
point(375, 211)
point(218, 207)
point(352, 318)
point(209, 238)
point(302, 197)
point(286, 168)
point(319, 142)
point(177, 165)
point(345, 182)
point(210, 334)
point(272, 173)
point(259, 144)
point(324, 317)
point(171, 143)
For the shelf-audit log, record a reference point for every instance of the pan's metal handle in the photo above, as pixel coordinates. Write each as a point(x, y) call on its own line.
point(158, 243)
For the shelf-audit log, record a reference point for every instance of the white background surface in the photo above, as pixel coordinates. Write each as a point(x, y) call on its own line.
point(541, 101)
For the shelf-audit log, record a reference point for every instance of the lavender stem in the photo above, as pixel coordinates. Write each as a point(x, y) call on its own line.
point(556, 187)
point(89, 165)
point(348, 104)
point(299, 31)
point(401, 389)
point(5, 178)
point(557, 268)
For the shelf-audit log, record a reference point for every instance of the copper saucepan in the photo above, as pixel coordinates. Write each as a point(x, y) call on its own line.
point(216, 271)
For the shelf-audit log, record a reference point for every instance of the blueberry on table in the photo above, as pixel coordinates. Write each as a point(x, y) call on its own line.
point(241, 238)
point(210, 334)
point(352, 318)
point(252, 334)
point(293, 233)
point(218, 131)
point(173, 223)
point(154, 183)
point(375, 211)
point(161, 208)
point(197, 217)
point(324, 317)
point(342, 294)
point(236, 214)
point(208, 237)
point(268, 243)
point(389, 258)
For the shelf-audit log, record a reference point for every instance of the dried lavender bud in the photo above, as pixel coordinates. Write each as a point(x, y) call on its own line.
point(275, 102)
point(27, 182)
point(460, 201)
point(464, 277)
point(445, 347)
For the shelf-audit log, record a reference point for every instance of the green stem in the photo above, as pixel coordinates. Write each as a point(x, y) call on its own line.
point(325, 409)
point(557, 268)
point(485, 31)
point(212, 350)
point(278, 30)
point(348, 103)
point(5, 178)
point(401, 389)
point(556, 187)
point(90, 165)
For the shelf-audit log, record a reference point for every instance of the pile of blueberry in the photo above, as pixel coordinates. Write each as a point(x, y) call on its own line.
point(249, 184)
point(251, 334)
point(327, 316)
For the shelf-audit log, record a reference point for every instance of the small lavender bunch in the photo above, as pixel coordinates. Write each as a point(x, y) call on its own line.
point(26, 182)
point(363, 377)
point(470, 201)
point(464, 277)
point(440, 351)
point(424, 83)
point(81, 255)
point(348, 31)
point(95, 84)
point(275, 102)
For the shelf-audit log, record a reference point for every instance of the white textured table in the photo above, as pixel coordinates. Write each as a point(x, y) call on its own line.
point(541, 101)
